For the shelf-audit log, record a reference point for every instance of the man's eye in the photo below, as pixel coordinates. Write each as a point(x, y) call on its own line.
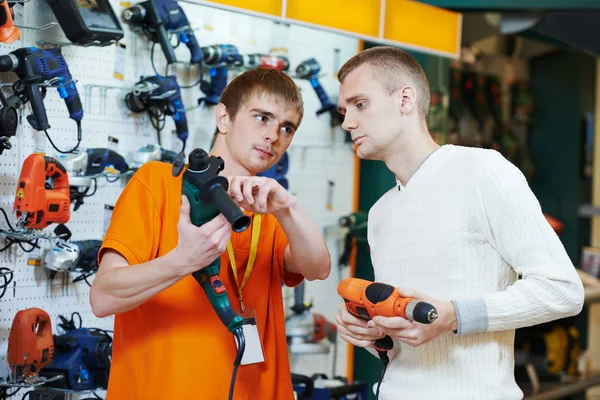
point(360, 105)
point(287, 129)
point(262, 118)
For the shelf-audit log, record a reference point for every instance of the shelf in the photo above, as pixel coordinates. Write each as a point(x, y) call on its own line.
point(587, 210)
point(550, 391)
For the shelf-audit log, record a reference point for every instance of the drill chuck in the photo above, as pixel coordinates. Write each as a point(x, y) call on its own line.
point(8, 63)
point(421, 312)
point(134, 14)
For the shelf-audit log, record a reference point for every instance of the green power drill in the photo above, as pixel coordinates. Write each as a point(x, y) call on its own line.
point(207, 194)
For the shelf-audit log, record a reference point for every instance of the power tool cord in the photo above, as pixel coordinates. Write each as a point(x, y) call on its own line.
point(239, 335)
point(71, 150)
point(7, 276)
point(386, 360)
point(11, 241)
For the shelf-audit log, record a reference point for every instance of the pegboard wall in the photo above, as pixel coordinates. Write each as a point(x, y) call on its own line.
point(319, 158)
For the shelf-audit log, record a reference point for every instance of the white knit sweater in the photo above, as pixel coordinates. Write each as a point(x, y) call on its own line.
point(462, 229)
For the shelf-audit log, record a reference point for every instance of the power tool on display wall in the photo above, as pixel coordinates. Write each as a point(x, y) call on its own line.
point(160, 18)
point(278, 171)
point(38, 202)
point(207, 193)
point(9, 120)
point(309, 70)
point(79, 256)
point(218, 58)
point(38, 69)
point(356, 225)
point(257, 60)
point(149, 153)
point(84, 167)
point(160, 96)
point(88, 22)
point(306, 330)
point(365, 300)
point(82, 356)
point(8, 31)
point(30, 345)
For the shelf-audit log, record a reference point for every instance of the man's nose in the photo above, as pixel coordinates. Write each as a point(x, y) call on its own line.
point(349, 124)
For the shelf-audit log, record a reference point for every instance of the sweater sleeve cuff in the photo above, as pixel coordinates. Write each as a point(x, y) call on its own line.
point(471, 316)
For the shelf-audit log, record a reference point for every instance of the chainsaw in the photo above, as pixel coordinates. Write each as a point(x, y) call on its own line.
point(37, 202)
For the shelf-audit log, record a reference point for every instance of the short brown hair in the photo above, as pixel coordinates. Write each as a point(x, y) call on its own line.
point(260, 81)
point(393, 68)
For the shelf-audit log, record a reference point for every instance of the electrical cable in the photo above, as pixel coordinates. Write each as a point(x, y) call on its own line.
point(71, 150)
point(239, 335)
point(6, 275)
point(34, 245)
point(385, 359)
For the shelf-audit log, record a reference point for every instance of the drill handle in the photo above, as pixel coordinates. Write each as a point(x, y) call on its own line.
point(181, 125)
point(326, 104)
point(73, 102)
point(216, 292)
point(39, 119)
point(189, 38)
point(213, 90)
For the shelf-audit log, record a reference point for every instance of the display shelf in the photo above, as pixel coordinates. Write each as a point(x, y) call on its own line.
point(556, 390)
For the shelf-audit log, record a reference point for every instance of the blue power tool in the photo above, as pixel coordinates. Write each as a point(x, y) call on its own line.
point(160, 17)
point(36, 70)
point(83, 357)
point(218, 58)
point(160, 95)
point(34, 67)
point(278, 171)
point(309, 69)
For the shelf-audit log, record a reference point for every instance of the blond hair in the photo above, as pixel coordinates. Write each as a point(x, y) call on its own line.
point(392, 68)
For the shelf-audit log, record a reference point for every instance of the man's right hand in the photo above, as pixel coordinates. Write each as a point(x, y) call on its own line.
point(198, 247)
point(355, 330)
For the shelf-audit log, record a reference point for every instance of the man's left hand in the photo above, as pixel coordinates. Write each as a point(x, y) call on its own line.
point(415, 333)
point(259, 194)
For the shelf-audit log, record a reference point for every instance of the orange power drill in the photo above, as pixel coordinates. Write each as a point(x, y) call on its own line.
point(8, 31)
point(365, 299)
point(30, 343)
point(36, 205)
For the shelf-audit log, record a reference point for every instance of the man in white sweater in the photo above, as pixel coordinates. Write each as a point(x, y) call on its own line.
point(458, 228)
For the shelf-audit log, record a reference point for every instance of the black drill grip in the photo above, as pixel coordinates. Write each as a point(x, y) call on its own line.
point(39, 121)
point(216, 190)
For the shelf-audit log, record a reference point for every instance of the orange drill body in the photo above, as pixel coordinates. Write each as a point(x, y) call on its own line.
point(8, 31)
point(30, 343)
point(36, 206)
point(365, 299)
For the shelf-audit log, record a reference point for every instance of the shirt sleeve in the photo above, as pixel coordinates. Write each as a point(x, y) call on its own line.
point(290, 279)
point(134, 229)
point(512, 220)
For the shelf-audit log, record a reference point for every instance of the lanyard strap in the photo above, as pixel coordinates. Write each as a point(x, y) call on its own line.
point(256, 222)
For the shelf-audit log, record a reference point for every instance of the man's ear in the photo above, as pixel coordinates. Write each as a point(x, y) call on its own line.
point(222, 118)
point(408, 100)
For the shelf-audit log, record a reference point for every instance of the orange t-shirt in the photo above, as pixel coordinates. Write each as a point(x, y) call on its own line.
point(174, 346)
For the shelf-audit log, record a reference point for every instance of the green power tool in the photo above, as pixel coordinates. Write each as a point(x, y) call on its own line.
point(207, 194)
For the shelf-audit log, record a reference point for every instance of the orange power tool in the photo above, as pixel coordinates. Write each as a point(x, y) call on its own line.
point(365, 299)
point(30, 343)
point(8, 31)
point(37, 205)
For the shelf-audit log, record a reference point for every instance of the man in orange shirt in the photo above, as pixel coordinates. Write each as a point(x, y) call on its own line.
point(168, 341)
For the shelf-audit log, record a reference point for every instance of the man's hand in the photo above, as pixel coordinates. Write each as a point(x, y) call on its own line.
point(355, 330)
point(259, 194)
point(416, 333)
point(197, 247)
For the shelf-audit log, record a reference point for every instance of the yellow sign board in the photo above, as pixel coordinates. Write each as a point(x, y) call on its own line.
point(403, 23)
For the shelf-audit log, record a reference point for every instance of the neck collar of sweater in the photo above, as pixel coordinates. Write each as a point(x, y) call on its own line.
point(425, 164)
